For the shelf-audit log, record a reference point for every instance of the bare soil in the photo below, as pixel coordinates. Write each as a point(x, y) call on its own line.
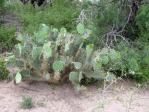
point(121, 97)
point(11, 20)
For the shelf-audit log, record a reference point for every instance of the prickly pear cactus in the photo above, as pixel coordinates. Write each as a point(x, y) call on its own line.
point(53, 56)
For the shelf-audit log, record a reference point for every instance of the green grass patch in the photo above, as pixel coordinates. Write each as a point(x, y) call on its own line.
point(7, 38)
point(27, 102)
point(61, 14)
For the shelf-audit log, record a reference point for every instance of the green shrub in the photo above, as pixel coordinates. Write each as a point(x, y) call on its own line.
point(102, 18)
point(143, 76)
point(134, 53)
point(27, 102)
point(3, 70)
point(142, 44)
point(7, 38)
point(129, 62)
point(56, 57)
point(62, 13)
point(134, 61)
point(7, 35)
point(143, 24)
point(2, 3)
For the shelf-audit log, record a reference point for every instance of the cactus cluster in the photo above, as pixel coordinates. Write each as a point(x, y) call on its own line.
point(53, 56)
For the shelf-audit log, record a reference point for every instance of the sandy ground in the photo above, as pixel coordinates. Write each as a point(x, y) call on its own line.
point(122, 97)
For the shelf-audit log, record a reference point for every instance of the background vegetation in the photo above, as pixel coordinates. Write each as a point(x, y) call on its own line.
point(61, 14)
point(7, 34)
point(122, 26)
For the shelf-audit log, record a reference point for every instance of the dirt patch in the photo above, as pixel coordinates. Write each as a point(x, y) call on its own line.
point(122, 97)
point(10, 20)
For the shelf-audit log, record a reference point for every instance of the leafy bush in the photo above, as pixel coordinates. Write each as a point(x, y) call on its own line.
point(7, 38)
point(129, 62)
point(62, 13)
point(106, 19)
point(143, 44)
point(134, 61)
point(3, 70)
point(2, 3)
point(134, 54)
point(102, 17)
point(53, 56)
point(143, 24)
point(7, 35)
point(27, 102)
point(143, 76)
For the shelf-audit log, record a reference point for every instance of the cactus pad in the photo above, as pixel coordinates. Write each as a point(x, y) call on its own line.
point(57, 66)
point(73, 76)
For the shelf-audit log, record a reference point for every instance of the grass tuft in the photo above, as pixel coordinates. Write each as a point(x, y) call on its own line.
point(27, 102)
